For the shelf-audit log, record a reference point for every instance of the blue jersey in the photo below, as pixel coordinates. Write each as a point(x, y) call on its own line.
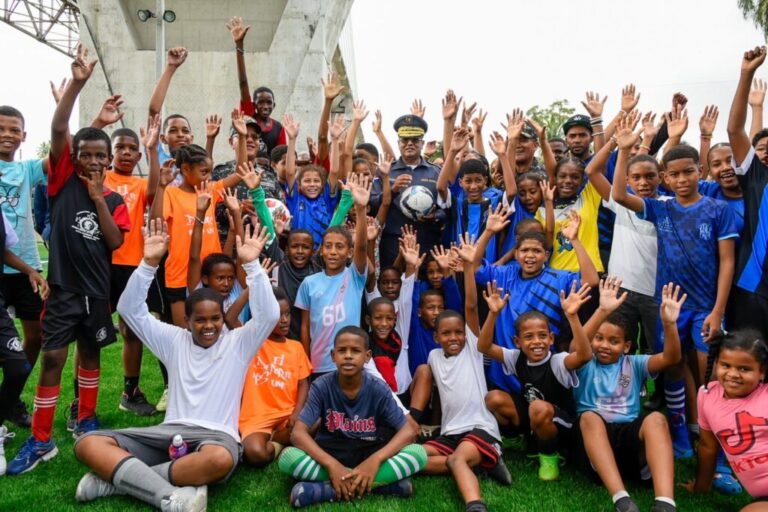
point(752, 264)
point(688, 246)
point(421, 340)
point(714, 190)
point(311, 214)
point(612, 390)
point(333, 302)
point(17, 180)
point(540, 293)
point(466, 217)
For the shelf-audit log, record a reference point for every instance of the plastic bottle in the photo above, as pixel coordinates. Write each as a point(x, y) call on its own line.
point(178, 447)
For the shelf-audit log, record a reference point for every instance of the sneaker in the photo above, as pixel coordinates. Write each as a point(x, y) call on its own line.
point(517, 443)
point(72, 418)
point(427, 432)
point(682, 450)
point(92, 487)
point(136, 404)
point(186, 499)
point(402, 489)
point(162, 404)
point(663, 506)
point(625, 504)
point(4, 434)
point(549, 467)
point(476, 506)
point(724, 483)
point(19, 415)
point(85, 425)
point(304, 494)
point(500, 473)
point(32, 453)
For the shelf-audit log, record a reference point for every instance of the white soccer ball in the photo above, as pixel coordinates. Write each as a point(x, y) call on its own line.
point(416, 202)
point(279, 213)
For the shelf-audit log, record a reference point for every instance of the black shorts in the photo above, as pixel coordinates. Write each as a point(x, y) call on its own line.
point(10, 344)
point(563, 420)
point(176, 294)
point(18, 293)
point(628, 450)
point(70, 316)
point(119, 279)
point(488, 446)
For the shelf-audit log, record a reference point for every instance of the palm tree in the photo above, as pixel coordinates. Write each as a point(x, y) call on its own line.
point(757, 11)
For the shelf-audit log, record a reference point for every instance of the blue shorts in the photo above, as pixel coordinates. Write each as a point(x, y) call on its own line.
point(689, 325)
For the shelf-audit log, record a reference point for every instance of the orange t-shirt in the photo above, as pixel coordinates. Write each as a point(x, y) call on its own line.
point(133, 189)
point(272, 382)
point(179, 210)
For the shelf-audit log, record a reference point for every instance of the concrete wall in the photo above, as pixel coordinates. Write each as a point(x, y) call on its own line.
point(304, 44)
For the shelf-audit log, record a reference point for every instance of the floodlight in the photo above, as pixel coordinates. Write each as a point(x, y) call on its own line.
point(169, 16)
point(145, 14)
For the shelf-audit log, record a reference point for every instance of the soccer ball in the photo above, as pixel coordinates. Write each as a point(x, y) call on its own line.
point(416, 202)
point(279, 213)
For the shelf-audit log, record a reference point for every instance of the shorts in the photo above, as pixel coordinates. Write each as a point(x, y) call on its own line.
point(10, 344)
point(150, 444)
point(70, 316)
point(628, 450)
point(119, 279)
point(563, 420)
point(18, 293)
point(488, 446)
point(689, 325)
point(262, 426)
point(176, 294)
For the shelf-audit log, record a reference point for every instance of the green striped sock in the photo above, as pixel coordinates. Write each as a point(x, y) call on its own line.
point(408, 461)
point(300, 466)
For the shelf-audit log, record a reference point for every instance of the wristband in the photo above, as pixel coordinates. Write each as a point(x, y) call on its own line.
point(598, 133)
point(241, 50)
point(706, 136)
point(647, 148)
point(595, 121)
point(202, 222)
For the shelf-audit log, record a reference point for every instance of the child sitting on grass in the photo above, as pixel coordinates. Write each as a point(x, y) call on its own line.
point(363, 441)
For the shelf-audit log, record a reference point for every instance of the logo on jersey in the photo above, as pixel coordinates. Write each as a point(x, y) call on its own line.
point(101, 335)
point(9, 195)
point(128, 196)
point(532, 393)
point(705, 231)
point(87, 225)
point(624, 380)
point(565, 243)
point(337, 420)
point(14, 344)
point(743, 438)
point(664, 225)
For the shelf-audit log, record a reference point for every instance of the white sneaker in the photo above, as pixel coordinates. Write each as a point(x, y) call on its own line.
point(4, 434)
point(162, 404)
point(92, 487)
point(186, 499)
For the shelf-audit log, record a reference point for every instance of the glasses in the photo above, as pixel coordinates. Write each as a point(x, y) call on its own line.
point(415, 140)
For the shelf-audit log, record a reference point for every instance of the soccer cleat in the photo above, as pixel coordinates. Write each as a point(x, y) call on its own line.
point(137, 404)
point(625, 504)
point(663, 506)
point(682, 450)
point(402, 489)
point(19, 415)
point(304, 494)
point(549, 467)
point(499, 472)
point(32, 453)
point(725, 483)
point(85, 425)
point(4, 434)
point(162, 404)
point(186, 499)
point(72, 418)
point(476, 506)
point(92, 487)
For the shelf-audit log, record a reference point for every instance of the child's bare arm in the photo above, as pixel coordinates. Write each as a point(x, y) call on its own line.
point(450, 168)
point(737, 135)
point(331, 89)
point(385, 164)
point(466, 251)
point(337, 131)
point(291, 128)
point(305, 339)
point(596, 168)
point(477, 132)
point(232, 317)
point(707, 125)
point(361, 193)
point(707, 461)
point(496, 303)
point(586, 265)
point(194, 269)
point(212, 127)
point(548, 193)
point(712, 323)
point(176, 57)
point(238, 122)
point(386, 147)
point(301, 397)
point(594, 107)
point(450, 109)
point(581, 350)
point(150, 139)
point(756, 100)
point(610, 300)
point(238, 31)
point(499, 148)
point(671, 304)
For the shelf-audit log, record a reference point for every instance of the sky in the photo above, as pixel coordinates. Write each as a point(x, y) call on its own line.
point(501, 54)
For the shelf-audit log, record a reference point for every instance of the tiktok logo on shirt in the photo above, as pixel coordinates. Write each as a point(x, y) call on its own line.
point(741, 440)
point(335, 420)
point(87, 225)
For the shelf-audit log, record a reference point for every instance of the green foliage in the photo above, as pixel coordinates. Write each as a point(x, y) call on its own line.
point(43, 149)
point(553, 116)
point(757, 11)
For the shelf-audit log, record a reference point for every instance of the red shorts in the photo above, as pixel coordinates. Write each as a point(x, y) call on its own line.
point(488, 446)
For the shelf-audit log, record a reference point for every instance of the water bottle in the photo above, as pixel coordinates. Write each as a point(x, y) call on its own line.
point(178, 447)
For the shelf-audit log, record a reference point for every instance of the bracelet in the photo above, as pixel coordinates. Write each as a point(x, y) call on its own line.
point(647, 148)
point(598, 133)
point(202, 222)
point(241, 50)
point(706, 136)
point(596, 121)
point(614, 140)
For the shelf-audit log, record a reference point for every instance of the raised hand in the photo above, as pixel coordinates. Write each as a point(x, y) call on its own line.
point(576, 299)
point(498, 219)
point(331, 85)
point(291, 127)
point(110, 111)
point(359, 112)
point(176, 57)
point(408, 235)
point(541, 131)
point(708, 120)
point(385, 164)
point(498, 144)
point(628, 98)
point(81, 67)
point(679, 99)
point(571, 229)
point(249, 175)
point(610, 300)
point(430, 148)
point(450, 105)
point(753, 59)
point(411, 252)
point(672, 303)
point(95, 182)
point(58, 91)
point(212, 125)
point(515, 124)
point(495, 298)
point(756, 94)
point(479, 120)
point(466, 114)
point(547, 191)
point(238, 122)
point(230, 200)
point(459, 139)
point(269, 266)
point(594, 105)
point(376, 125)
point(168, 172)
point(360, 188)
point(650, 128)
point(372, 229)
point(311, 147)
point(336, 126)
point(677, 122)
point(626, 137)
point(467, 248)
point(418, 108)
point(442, 257)
point(151, 135)
point(237, 29)
point(204, 196)
point(249, 248)
point(155, 241)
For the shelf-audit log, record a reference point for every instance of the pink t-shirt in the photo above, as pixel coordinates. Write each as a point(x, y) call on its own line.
point(741, 428)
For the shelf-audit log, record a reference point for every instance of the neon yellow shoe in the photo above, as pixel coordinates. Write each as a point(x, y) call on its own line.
point(549, 467)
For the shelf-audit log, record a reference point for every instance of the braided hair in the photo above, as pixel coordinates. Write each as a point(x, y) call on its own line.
point(190, 154)
point(747, 340)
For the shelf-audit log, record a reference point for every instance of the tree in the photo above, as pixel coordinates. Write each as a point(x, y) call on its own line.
point(757, 11)
point(43, 149)
point(553, 116)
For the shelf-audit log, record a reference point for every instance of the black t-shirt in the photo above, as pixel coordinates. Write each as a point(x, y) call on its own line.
point(540, 382)
point(751, 263)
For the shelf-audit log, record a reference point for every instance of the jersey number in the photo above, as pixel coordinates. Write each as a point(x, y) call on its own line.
point(334, 314)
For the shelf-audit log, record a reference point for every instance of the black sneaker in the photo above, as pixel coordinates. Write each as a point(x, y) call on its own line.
point(476, 506)
point(499, 472)
point(19, 415)
point(137, 404)
point(663, 506)
point(72, 418)
point(625, 504)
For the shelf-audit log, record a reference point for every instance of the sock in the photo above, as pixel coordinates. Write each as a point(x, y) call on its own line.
point(621, 494)
point(130, 385)
point(136, 479)
point(15, 373)
point(164, 470)
point(674, 392)
point(164, 372)
point(42, 416)
point(722, 465)
point(664, 499)
point(416, 414)
point(300, 466)
point(76, 387)
point(546, 446)
point(408, 461)
point(89, 392)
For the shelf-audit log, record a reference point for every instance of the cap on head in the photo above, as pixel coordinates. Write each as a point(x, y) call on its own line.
point(409, 126)
point(528, 131)
point(578, 120)
point(249, 121)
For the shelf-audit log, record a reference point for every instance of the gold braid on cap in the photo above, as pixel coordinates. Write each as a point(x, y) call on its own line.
point(410, 131)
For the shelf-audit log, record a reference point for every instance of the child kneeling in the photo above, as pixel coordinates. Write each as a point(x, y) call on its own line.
point(363, 441)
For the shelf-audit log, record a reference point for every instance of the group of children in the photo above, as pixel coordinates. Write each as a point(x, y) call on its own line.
point(345, 339)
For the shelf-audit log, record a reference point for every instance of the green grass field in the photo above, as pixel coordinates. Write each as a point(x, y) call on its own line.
point(51, 487)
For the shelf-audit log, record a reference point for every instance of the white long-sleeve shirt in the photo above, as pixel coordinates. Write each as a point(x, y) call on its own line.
point(204, 385)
